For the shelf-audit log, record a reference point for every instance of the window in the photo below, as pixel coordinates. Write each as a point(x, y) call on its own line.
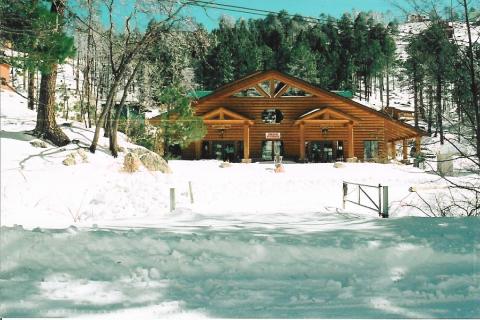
point(370, 149)
point(272, 116)
point(271, 148)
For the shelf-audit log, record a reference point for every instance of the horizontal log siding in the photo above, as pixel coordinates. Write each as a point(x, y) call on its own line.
point(369, 126)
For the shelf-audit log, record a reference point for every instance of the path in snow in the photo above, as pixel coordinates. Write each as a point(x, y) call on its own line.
point(388, 268)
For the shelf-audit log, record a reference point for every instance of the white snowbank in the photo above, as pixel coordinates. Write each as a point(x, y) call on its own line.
point(382, 268)
point(37, 190)
point(253, 243)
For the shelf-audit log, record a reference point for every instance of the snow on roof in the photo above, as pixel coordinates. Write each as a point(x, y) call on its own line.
point(309, 112)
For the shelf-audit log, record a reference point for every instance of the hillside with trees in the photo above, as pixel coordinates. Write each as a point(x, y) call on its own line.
point(117, 64)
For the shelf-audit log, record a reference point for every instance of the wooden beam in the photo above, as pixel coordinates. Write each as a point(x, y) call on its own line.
point(323, 121)
point(221, 112)
point(350, 141)
point(227, 121)
point(330, 111)
point(198, 149)
point(281, 91)
point(302, 141)
point(405, 149)
point(272, 88)
point(246, 141)
point(392, 152)
point(418, 146)
point(261, 91)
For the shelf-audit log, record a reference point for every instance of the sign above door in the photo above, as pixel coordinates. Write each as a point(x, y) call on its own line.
point(272, 135)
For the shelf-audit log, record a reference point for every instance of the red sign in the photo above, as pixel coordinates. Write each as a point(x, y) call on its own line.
point(272, 135)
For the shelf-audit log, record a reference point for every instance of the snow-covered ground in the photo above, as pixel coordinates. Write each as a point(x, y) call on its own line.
point(99, 192)
point(91, 239)
point(353, 268)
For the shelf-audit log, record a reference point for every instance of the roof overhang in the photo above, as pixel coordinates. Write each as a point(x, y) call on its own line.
point(326, 115)
point(223, 115)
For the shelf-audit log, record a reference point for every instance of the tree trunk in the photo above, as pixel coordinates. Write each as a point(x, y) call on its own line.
point(439, 108)
point(114, 126)
point(430, 109)
point(103, 114)
point(113, 140)
point(47, 127)
point(366, 88)
point(473, 83)
point(415, 98)
point(87, 73)
point(108, 123)
point(381, 90)
point(388, 86)
point(77, 75)
point(421, 102)
point(31, 89)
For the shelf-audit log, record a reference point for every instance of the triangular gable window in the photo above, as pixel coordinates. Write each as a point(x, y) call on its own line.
point(296, 92)
point(265, 86)
point(272, 88)
point(250, 92)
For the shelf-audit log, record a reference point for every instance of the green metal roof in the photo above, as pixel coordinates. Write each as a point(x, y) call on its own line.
point(197, 94)
point(344, 93)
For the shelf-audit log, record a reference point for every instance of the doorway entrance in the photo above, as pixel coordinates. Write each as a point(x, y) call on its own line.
point(230, 151)
point(270, 148)
point(325, 151)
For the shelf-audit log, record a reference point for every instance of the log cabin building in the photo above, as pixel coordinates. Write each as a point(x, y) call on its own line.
point(269, 113)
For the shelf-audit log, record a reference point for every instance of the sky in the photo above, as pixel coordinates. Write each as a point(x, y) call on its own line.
point(209, 17)
point(313, 8)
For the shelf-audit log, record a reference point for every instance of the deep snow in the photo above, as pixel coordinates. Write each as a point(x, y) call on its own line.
point(253, 243)
point(381, 268)
point(37, 190)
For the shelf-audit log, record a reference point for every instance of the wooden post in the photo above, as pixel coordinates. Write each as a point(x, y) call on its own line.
point(190, 191)
point(198, 149)
point(393, 150)
point(379, 200)
point(302, 141)
point(385, 202)
point(246, 142)
point(418, 140)
point(172, 199)
point(405, 150)
point(350, 152)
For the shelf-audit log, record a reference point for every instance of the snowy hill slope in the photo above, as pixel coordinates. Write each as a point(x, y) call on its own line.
point(401, 96)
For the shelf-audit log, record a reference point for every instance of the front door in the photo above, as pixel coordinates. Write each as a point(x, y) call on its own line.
point(270, 148)
point(325, 151)
point(230, 151)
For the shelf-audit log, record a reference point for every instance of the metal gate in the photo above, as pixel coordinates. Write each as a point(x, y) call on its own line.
point(376, 200)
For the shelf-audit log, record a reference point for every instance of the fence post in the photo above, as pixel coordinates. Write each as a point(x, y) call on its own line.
point(172, 199)
point(385, 202)
point(190, 191)
point(345, 190)
point(380, 200)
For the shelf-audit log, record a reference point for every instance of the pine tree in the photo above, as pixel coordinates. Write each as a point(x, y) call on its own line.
point(303, 62)
point(178, 125)
point(39, 33)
